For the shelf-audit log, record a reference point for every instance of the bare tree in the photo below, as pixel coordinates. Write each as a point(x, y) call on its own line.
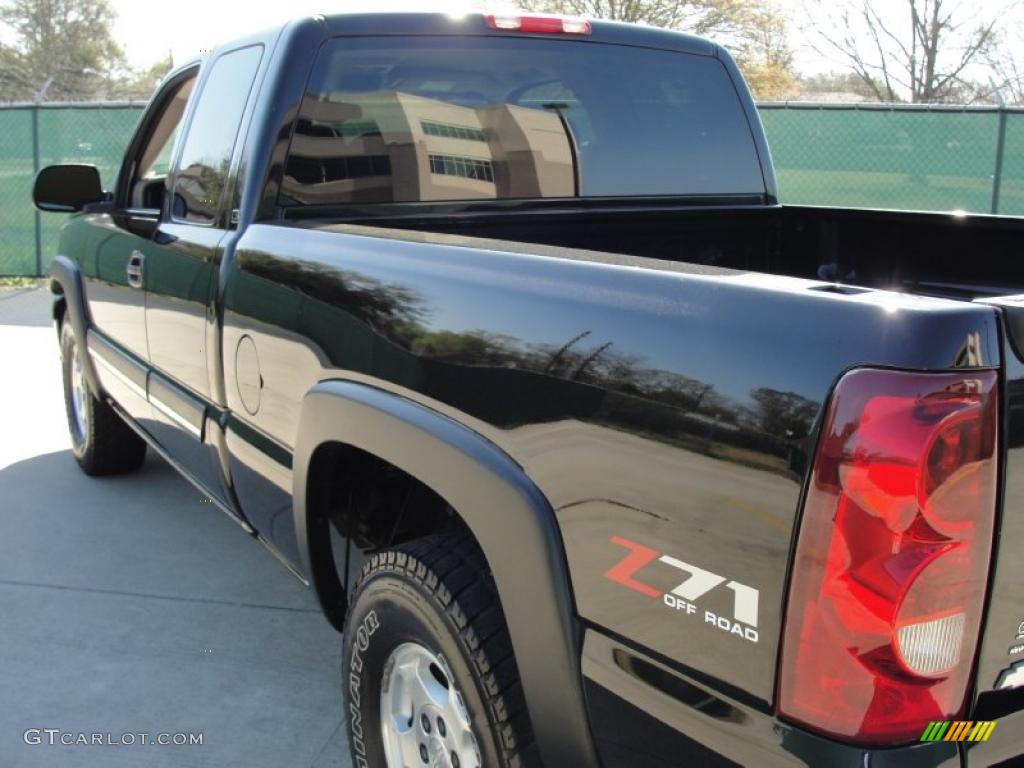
point(916, 50)
point(1006, 69)
point(1007, 83)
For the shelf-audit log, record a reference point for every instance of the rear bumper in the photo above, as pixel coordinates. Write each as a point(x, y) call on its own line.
point(1005, 747)
point(645, 714)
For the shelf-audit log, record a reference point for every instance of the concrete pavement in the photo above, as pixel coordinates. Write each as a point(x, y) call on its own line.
point(128, 605)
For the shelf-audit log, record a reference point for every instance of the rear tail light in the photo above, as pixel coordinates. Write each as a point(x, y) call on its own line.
point(893, 556)
point(552, 25)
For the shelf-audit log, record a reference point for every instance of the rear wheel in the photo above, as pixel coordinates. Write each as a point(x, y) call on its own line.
point(100, 440)
point(423, 712)
point(428, 673)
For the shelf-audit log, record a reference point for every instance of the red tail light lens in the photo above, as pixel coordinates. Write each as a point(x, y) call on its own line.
point(552, 25)
point(892, 557)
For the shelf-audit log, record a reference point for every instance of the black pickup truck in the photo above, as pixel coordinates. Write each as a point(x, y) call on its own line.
point(493, 331)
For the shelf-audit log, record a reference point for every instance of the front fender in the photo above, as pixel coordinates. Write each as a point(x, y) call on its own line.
point(510, 519)
point(68, 276)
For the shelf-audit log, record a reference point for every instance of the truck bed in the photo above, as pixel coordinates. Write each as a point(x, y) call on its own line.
point(937, 254)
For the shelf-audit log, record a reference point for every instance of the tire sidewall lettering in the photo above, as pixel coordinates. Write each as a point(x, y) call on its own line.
point(408, 599)
point(360, 644)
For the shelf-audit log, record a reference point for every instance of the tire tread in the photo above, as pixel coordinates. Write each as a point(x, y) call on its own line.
point(452, 570)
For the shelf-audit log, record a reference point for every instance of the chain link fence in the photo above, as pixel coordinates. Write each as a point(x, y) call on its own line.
point(34, 136)
point(870, 155)
point(917, 157)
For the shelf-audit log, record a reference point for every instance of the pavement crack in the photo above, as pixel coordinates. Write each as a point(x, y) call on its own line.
point(176, 598)
point(323, 749)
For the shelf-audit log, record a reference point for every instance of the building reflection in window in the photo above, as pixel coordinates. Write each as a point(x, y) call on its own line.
point(390, 146)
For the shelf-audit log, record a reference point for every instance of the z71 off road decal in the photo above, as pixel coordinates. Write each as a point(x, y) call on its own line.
point(684, 597)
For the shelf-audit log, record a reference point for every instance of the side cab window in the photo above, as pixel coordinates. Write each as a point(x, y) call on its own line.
point(143, 182)
point(203, 167)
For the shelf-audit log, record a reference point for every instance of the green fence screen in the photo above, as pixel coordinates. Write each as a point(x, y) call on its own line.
point(934, 159)
point(876, 156)
point(17, 227)
point(34, 137)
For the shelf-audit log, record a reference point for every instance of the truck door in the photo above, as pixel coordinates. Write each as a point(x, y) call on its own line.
point(117, 243)
point(182, 266)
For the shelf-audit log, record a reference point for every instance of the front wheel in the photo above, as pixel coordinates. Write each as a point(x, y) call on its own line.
point(428, 674)
point(100, 440)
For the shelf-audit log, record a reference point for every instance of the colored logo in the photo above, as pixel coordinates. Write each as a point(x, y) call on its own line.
point(684, 597)
point(959, 730)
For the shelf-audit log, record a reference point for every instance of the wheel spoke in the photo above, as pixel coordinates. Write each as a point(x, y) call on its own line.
point(409, 747)
point(429, 687)
point(422, 712)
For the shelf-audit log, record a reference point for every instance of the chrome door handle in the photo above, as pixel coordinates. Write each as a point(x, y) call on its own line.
point(135, 269)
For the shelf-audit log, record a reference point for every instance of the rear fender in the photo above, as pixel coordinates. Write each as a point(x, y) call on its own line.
point(510, 518)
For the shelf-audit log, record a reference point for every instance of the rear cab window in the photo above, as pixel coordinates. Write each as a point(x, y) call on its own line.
point(436, 118)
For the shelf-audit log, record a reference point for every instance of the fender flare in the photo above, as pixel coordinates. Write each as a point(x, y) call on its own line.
point(511, 519)
point(66, 273)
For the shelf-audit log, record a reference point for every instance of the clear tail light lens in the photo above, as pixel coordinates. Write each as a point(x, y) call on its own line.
point(892, 558)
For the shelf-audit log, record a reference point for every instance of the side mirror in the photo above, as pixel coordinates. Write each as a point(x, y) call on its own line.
point(66, 188)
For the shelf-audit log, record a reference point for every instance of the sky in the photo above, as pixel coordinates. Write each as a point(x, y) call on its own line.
point(148, 30)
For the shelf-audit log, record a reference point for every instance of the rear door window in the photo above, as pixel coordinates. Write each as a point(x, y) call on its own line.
point(409, 119)
point(206, 156)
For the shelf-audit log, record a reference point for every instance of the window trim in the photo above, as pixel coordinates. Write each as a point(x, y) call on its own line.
point(175, 169)
point(419, 210)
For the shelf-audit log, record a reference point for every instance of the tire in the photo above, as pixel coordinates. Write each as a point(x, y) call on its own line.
point(431, 605)
point(100, 440)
